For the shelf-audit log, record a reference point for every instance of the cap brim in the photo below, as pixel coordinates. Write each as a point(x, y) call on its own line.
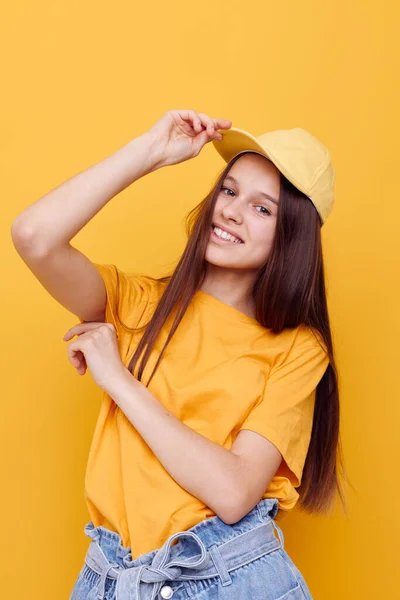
point(235, 141)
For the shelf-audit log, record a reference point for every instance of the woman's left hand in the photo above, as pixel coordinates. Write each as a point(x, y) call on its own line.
point(97, 349)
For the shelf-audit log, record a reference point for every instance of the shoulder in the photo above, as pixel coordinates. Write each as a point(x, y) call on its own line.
point(296, 341)
point(309, 336)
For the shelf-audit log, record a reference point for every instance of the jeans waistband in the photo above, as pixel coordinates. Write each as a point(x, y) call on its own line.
point(206, 550)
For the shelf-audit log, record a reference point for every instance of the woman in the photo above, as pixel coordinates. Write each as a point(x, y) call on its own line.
point(205, 430)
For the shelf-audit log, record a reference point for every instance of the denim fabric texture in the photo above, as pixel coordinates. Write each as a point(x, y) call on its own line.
point(210, 561)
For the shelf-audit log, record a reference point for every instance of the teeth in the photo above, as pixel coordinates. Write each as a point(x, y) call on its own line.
point(226, 236)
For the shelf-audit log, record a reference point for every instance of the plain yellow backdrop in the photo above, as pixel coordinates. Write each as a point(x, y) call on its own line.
point(79, 80)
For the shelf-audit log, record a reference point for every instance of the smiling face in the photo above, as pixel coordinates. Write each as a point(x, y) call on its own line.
point(243, 209)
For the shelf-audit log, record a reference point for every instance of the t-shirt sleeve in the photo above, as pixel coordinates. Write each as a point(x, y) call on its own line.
point(284, 412)
point(127, 293)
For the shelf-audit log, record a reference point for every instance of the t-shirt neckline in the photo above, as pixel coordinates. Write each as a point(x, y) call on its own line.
point(226, 309)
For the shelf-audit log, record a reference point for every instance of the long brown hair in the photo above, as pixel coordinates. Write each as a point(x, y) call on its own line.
point(289, 291)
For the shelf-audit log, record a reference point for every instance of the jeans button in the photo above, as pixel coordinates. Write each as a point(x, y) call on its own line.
point(166, 591)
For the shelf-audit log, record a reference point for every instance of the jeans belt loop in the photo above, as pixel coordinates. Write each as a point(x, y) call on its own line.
point(280, 533)
point(220, 565)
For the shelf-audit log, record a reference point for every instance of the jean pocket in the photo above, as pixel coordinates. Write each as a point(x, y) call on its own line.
point(297, 573)
point(268, 577)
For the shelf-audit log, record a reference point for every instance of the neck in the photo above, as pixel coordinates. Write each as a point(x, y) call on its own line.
point(231, 286)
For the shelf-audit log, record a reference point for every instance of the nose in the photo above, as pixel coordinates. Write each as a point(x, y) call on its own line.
point(231, 211)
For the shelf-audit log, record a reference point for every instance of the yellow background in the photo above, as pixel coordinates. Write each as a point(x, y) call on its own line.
point(80, 79)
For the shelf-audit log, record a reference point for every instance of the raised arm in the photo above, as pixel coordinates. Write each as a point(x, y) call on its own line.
point(42, 232)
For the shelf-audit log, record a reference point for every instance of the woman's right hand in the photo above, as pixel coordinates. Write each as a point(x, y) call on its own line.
point(181, 134)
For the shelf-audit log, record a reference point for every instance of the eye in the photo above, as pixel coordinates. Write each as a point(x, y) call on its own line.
point(225, 188)
point(266, 213)
point(261, 205)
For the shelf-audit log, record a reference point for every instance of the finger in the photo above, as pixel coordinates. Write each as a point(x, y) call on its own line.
point(223, 123)
point(86, 327)
point(76, 361)
point(189, 116)
point(78, 346)
point(77, 330)
point(195, 121)
point(208, 122)
point(81, 370)
point(73, 359)
point(82, 362)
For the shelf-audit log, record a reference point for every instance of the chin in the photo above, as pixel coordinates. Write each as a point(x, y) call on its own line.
point(223, 265)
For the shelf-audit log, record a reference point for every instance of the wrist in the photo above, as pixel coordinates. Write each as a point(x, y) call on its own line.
point(154, 151)
point(118, 383)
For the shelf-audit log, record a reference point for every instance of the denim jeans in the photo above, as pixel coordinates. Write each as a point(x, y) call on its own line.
point(210, 561)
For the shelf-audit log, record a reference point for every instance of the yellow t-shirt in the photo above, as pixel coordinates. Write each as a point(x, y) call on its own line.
point(220, 373)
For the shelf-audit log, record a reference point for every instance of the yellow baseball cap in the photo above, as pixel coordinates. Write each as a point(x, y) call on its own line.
point(298, 155)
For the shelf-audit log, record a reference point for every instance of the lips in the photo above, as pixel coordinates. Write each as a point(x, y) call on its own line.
point(227, 231)
point(222, 241)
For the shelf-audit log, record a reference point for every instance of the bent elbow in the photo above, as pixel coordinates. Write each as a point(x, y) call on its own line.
point(233, 509)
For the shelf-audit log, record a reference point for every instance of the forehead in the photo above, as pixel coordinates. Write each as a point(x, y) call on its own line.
point(253, 164)
point(256, 173)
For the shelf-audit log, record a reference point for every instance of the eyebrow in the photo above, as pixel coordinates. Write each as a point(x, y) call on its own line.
point(261, 193)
